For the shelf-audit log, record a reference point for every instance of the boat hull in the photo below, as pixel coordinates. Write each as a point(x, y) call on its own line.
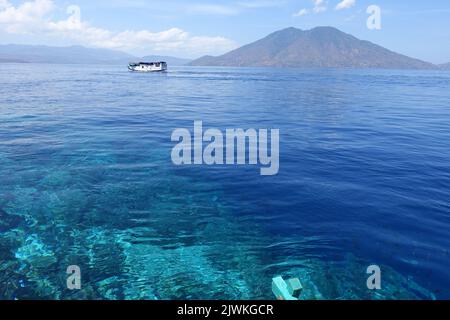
point(148, 67)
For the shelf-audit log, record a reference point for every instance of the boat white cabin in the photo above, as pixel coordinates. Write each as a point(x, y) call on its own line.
point(148, 66)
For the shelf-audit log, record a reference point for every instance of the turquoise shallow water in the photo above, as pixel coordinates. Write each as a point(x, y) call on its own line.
point(87, 179)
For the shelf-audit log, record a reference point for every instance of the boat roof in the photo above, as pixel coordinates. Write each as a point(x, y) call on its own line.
point(148, 63)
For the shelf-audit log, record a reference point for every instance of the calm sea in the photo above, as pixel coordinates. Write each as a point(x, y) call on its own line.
point(87, 180)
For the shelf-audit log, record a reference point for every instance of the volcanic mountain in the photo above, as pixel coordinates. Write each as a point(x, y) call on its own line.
point(321, 47)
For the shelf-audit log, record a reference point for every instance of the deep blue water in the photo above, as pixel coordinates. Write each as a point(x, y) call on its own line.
point(87, 179)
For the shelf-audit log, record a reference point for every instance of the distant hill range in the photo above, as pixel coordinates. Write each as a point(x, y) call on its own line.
point(11, 60)
point(321, 47)
point(445, 66)
point(74, 55)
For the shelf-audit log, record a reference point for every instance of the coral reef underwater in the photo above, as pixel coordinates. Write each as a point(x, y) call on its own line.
point(168, 239)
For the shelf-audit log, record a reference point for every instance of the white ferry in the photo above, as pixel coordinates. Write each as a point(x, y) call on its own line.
point(148, 66)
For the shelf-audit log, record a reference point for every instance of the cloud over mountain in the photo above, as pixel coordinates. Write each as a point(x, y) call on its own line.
point(345, 4)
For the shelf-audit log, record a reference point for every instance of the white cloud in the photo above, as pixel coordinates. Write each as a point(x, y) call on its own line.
point(345, 4)
point(319, 9)
point(301, 13)
point(4, 4)
point(319, 6)
point(32, 17)
point(26, 17)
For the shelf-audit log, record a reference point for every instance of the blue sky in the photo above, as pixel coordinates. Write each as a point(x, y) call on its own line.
point(192, 28)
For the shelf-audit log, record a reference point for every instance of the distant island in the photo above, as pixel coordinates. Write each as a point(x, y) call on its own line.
point(14, 53)
point(321, 47)
point(62, 55)
point(12, 60)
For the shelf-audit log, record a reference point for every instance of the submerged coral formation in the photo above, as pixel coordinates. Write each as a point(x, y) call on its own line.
point(173, 243)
